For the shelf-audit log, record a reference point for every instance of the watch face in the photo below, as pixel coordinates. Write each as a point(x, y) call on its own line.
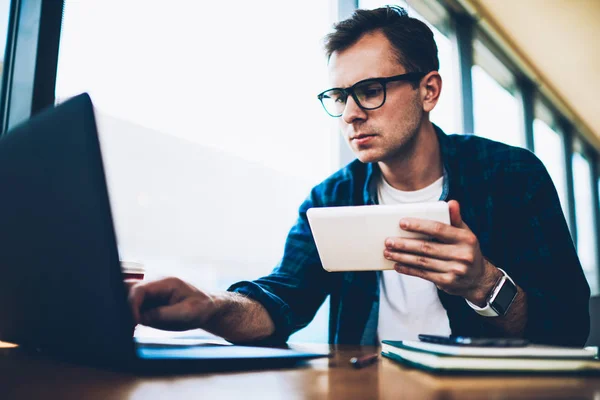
point(504, 297)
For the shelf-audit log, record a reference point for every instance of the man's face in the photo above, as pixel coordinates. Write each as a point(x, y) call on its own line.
point(383, 133)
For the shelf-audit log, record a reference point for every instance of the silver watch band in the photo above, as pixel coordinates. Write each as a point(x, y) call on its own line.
point(488, 311)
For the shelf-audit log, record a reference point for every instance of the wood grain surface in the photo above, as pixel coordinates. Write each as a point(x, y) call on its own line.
point(24, 376)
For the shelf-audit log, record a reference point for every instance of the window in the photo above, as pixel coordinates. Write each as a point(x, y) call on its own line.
point(210, 128)
point(584, 216)
point(4, 14)
point(446, 113)
point(495, 107)
point(549, 147)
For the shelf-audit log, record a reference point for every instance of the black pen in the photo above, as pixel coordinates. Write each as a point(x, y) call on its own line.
point(360, 362)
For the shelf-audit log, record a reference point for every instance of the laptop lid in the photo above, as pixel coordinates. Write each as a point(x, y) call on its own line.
point(61, 287)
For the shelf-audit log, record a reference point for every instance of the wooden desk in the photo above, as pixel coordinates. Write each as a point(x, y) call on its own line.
point(25, 377)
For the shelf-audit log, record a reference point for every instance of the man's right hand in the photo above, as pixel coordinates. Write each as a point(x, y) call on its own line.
point(171, 304)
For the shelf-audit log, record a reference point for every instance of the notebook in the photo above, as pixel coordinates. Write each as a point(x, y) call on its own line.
point(532, 350)
point(458, 359)
point(61, 286)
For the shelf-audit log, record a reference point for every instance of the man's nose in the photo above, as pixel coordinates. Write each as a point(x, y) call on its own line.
point(352, 111)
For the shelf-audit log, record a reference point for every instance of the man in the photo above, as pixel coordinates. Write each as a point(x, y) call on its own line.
point(506, 265)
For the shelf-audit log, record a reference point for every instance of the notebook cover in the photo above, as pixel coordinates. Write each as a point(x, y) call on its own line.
point(583, 367)
point(535, 351)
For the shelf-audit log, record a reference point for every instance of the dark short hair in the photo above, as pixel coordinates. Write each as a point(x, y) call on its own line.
point(412, 39)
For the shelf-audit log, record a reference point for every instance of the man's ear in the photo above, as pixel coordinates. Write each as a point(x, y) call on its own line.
point(431, 87)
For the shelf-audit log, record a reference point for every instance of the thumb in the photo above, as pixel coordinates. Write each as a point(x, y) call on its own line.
point(455, 217)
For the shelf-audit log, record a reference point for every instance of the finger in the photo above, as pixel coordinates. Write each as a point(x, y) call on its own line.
point(161, 317)
point(419, 261)
point(136, 298)
point(427, 248)
point(176, 317)
point(437, 230)
point(431, 276)
point(455, 217)
point(156, 292)
point(130, 283)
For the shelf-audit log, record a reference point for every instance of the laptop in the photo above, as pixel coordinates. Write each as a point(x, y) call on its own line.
point(61, 286)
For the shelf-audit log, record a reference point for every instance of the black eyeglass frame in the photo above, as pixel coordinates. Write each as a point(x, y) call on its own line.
point(408, 77)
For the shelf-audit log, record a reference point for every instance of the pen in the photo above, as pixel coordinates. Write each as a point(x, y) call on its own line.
point(360, 362)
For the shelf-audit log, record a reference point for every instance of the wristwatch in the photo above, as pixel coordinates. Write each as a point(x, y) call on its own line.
point(500, 299)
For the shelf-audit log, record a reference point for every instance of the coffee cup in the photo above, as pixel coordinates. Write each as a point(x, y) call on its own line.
point(133, 270)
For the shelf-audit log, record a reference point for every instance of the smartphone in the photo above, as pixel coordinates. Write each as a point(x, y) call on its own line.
point(469, 341)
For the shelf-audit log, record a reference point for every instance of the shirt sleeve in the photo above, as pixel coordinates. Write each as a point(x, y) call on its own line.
point(293, 292)
point(546, 265)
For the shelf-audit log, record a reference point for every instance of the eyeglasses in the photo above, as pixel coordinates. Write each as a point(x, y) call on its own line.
point(369, 94)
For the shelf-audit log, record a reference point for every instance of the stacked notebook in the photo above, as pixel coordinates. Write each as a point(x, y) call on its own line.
point(455, 359)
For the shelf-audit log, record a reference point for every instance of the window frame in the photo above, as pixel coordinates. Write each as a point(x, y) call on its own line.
point(491, 59)
point(31, 59)
point(586, 150)
point(544, 111)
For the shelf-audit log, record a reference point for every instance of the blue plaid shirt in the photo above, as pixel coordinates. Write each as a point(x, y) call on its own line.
point(507, 199)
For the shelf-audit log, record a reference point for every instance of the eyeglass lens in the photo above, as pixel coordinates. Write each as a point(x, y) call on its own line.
point(370, 95)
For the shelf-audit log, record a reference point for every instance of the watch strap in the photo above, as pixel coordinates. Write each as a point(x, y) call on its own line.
point(488, 311)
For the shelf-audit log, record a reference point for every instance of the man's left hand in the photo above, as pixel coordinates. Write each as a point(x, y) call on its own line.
point(453, 262)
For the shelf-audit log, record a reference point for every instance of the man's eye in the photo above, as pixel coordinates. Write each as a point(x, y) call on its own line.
point(372, 91)
point(336, 97)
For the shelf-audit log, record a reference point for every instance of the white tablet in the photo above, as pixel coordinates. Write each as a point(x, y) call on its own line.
point(353, 238)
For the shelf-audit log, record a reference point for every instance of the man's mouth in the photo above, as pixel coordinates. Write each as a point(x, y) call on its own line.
point(362, 139)
point(362, 136)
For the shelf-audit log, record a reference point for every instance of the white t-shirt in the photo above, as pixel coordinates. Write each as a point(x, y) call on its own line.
point(409, 305)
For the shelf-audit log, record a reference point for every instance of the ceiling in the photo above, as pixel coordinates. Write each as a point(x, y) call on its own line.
point(558, 40)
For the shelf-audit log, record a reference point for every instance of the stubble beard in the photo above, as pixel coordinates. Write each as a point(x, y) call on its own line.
point(405, 144)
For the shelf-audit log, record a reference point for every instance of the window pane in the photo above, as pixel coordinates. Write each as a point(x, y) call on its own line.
point(206, 156)
point(496, 110)
point(548, 145)
point(445, 114)
point(584, 212)
point(4, 13)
